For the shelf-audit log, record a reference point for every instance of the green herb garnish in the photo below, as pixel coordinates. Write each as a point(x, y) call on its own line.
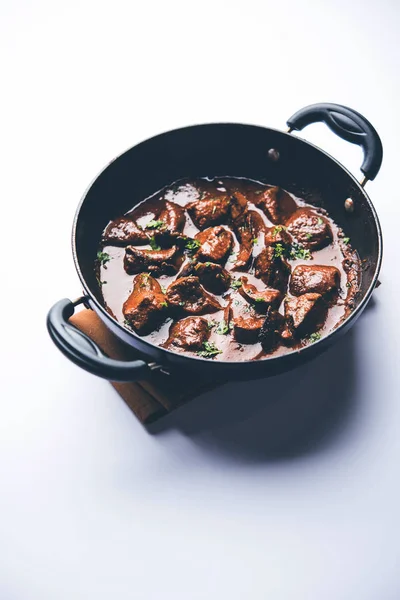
point(103, 257)
point(222, 328)
point(300, 252)
point(320, 221)
point(155, 224)
point(348, 284)
point(254, 241)
point(210, 350)
point(153, 244)
point(314, 337)
point(346, 240)
point(308, 236)
point(192, 245)
point(259, 299)
point(278, 229)
point(236, 284)
point(279, 251)
point(164, 304)
point(293, 252)
point(163, 289)
point(181, 304)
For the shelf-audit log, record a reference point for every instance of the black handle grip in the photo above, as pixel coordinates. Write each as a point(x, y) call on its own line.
point(82, 351)
point(347, 124)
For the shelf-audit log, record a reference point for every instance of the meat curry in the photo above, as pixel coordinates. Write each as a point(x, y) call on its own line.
point(227, 269)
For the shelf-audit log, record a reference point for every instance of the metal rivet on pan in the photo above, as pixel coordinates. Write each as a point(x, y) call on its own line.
point(273, 154)
point(349, 205)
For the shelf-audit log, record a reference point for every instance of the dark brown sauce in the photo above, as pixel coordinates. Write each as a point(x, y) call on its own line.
point(116, 284)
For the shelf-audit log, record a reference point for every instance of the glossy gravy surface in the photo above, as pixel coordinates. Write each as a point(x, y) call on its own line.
point(116, 284)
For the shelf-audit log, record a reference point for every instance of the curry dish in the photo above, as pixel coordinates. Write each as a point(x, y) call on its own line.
point(227, 269)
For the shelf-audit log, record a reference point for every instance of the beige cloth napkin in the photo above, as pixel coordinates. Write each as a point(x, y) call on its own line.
point(150, 399)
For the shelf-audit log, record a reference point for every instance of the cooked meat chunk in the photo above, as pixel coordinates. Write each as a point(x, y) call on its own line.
point(319, 279)
point(157, 262)
point(272, 270)
point(310, 229)
point(146, 306)
point(271, 329)
point(188, 296)
point(305, 314)
point(247, 228)
point(173, 216)
point(278, 235)
point(246, 327)
point(238, 209)
point(277, 204)
point(245, 237)
point(260, 299)
point(170, 223)
point(257, 224)
point(213, 277)
point(124, 231)
point(188, 334)
point(215, 244)
point(209, 211)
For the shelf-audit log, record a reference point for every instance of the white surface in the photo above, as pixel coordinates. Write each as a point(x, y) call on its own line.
point(295, 495)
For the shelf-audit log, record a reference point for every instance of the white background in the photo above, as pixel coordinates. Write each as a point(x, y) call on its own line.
point(295, 494)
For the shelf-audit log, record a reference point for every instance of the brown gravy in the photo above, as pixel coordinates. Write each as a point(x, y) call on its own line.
point(224, 340)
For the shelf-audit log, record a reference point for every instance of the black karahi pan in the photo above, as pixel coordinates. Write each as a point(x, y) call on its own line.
point(222, 149)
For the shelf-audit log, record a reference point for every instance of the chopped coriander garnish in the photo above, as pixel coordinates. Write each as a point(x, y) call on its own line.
point(210, 350)
point(155, 224)
point(236, 284)
point(259, 299)
point(192, 245)
point(126, 322)
point(254, 241)
point(279, 251)
point(320, 221)
point(314, 337)
point(278, 229)
point(207, 264)
point(164, 304)
point(348, 284)
point(222, 328)
point(103, 257)
point(299, 252)
point(163, 289)
point(308, 236)
point(153, 244)
point(211, 324)
point(346, 240)
point(100, 282)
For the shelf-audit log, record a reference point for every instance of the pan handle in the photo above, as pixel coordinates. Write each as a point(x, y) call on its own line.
point(82, 351)
point(349, 125)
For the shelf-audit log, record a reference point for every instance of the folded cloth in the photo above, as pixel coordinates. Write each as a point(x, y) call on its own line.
point(160, 393)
